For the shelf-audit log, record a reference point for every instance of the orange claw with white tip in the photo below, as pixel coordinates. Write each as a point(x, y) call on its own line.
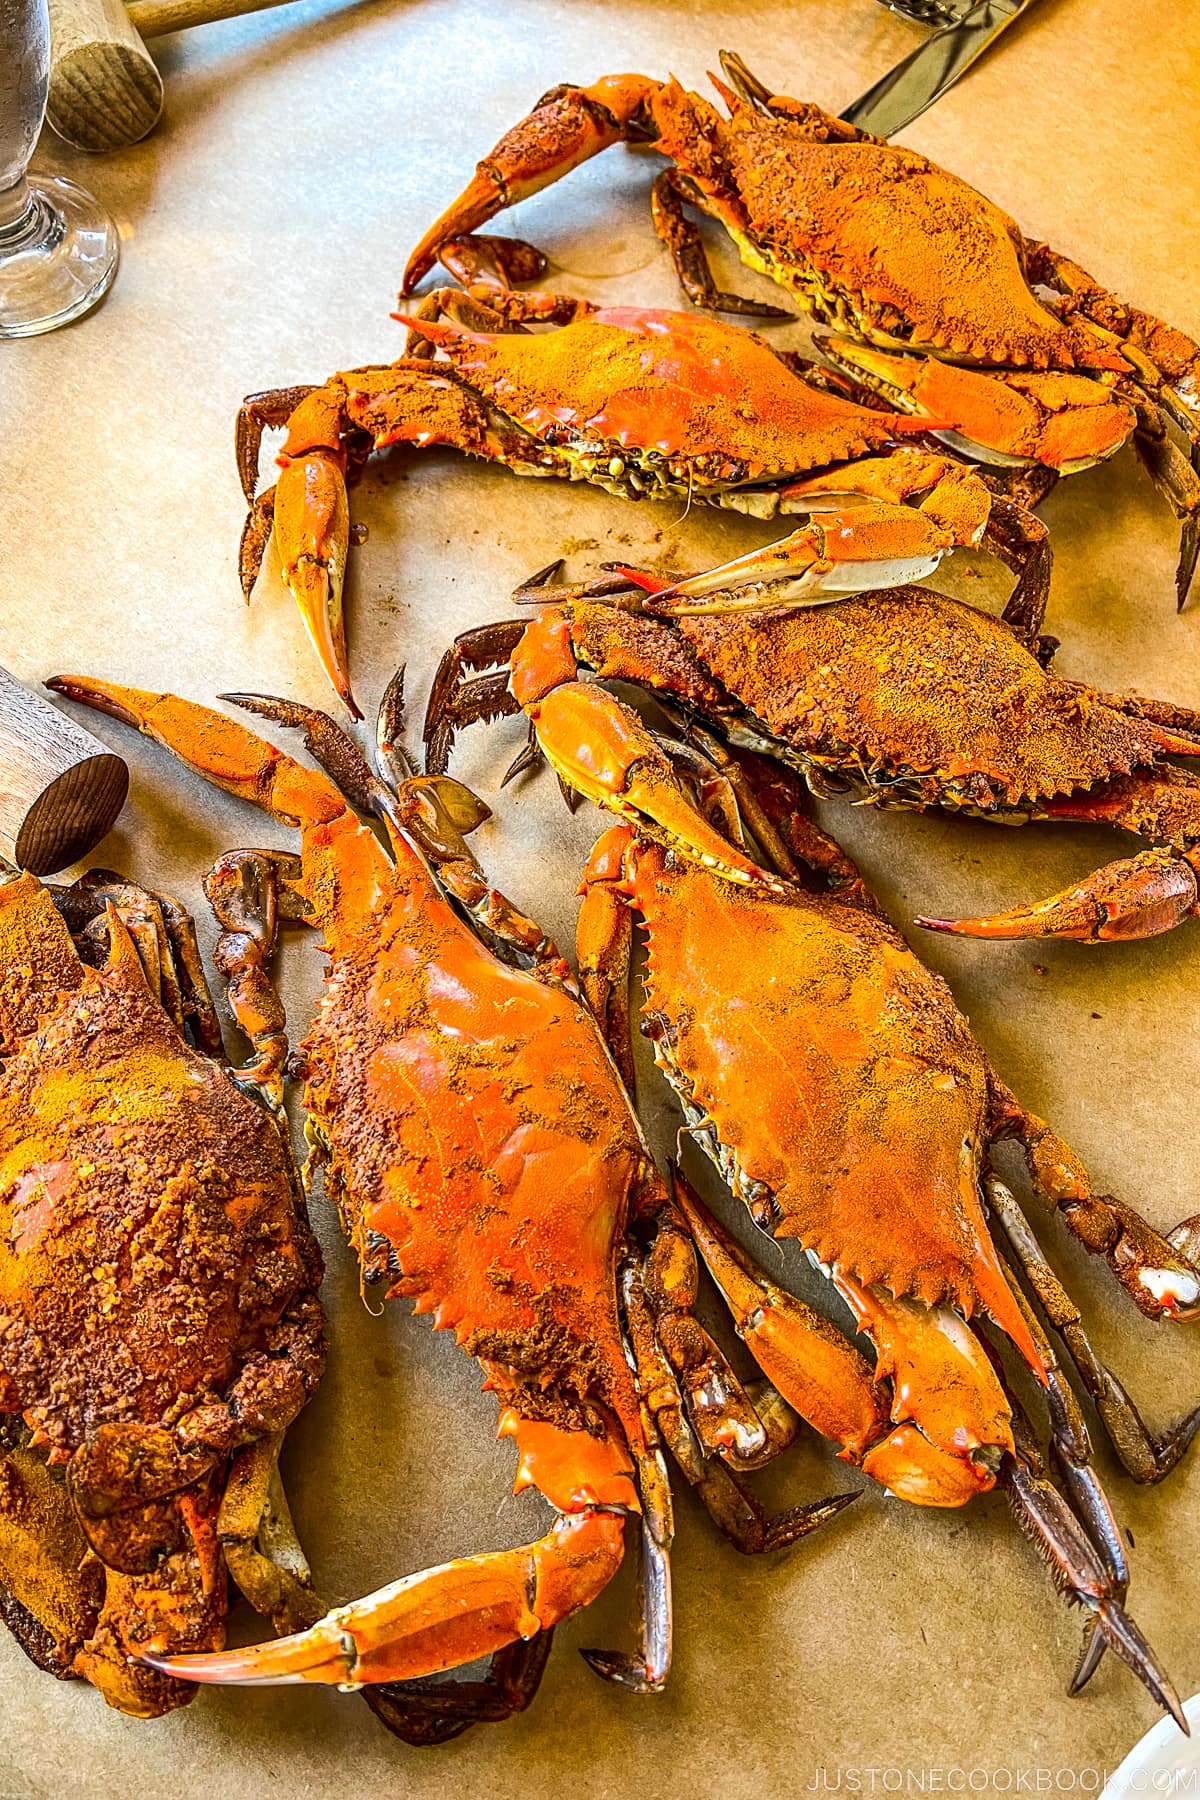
point(852, 550)
point(436, 1620)
point(312, 529)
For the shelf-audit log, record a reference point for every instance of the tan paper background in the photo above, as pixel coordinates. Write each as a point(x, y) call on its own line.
point(265, 227)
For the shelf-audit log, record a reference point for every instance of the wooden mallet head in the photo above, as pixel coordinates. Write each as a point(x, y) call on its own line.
point(60, 789)
point(105, 91)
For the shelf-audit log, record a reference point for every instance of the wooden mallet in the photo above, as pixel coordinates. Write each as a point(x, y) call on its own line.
point(105, 91)
point(60, 789)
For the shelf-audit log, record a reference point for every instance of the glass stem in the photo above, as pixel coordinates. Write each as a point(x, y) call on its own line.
point(25, 219)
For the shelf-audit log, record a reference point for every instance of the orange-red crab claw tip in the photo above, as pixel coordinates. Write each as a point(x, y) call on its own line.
point(316, 1655)
point(315, 590)
point(439, 331)
point(1139, 897)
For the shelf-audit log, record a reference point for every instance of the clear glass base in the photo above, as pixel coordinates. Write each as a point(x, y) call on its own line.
point(57, 259)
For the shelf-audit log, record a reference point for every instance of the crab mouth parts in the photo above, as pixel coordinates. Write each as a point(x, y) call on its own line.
point(839, 769)
point(634, 472)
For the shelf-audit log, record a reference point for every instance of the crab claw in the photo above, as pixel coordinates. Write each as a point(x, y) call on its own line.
point(843, 552)
point(436, 1620)
point(1066, 422)
point(312, 535)
point(569, 126)
point(1136, 898)
point(599, 747)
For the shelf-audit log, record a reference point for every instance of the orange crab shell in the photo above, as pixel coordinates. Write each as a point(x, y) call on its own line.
point(920, 253)
point(660, 382)
point(149, 1252)
point(846, 1045)
point(103, 1113)
point(480, 1149)
point(910, 681)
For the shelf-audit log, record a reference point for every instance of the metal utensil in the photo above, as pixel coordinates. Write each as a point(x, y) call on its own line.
point(934, 13)
point(965, 29)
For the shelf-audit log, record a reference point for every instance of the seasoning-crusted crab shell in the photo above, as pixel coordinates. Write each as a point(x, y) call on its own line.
point(916, 685)
point(908, 698)
point(159, 1326)
point(667, 388)
point(876, 240)
point(487, 1164)
point(890, 1110)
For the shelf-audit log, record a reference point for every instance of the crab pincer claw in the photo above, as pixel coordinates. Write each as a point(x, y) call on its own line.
point(326, 1653)
point(600, 748)
point(1136, 898)
point(843, 552)
point(629, 1672)
point(438, 1619)
point(567, 127)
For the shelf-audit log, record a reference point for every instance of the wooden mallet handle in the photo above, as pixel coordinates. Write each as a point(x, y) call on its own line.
point(155, 18)
point(60, 789)
point(105, 91)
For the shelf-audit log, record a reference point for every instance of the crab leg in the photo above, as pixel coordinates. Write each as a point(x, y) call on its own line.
point(1068, 422)
point(703, 1448)
point(256, 1534)
point(432, 1711)
point(1161, 1280)
point(436, 1620)
point(1038, 1506)
point(685, 246)
point(839, 552)
point(1146, 1458)
point(831, 1384)
point(330, 432)
point(1166, 359)
point(435, 811)
point(1137, 897)
point(863, 535)
point(1079, 1568)
point(567, 127)
point(941, 1455)
point(83, 906)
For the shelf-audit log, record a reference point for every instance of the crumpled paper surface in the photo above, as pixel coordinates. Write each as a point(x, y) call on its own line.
point(265, 227)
